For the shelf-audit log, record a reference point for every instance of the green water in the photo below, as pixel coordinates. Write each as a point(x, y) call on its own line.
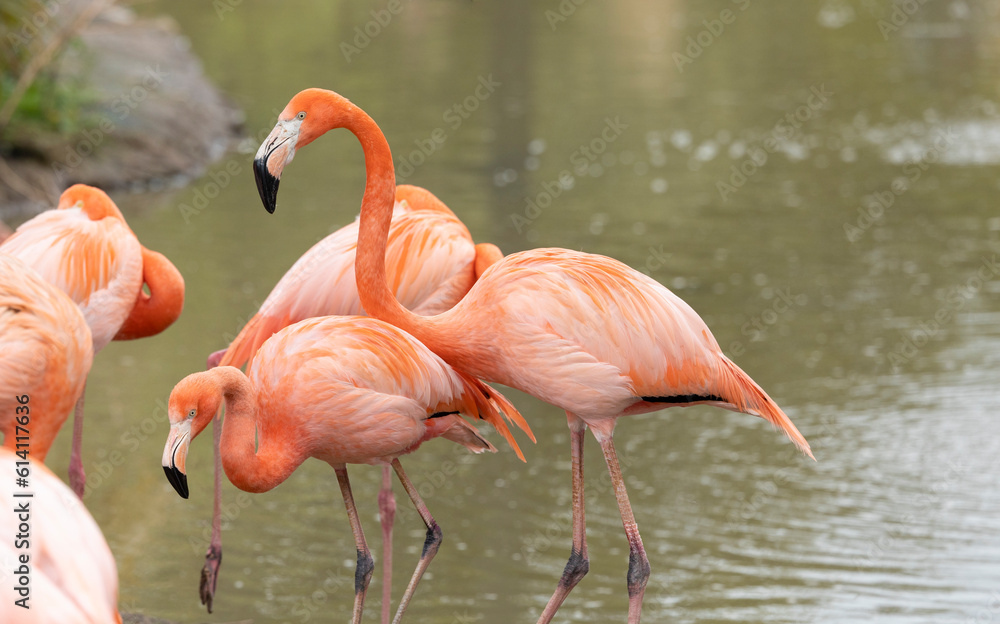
point(870, 323)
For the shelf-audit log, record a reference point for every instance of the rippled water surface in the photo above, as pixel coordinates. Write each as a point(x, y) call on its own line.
point(818, 181)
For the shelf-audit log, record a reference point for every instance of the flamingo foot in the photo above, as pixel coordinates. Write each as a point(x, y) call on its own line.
point(210, 575)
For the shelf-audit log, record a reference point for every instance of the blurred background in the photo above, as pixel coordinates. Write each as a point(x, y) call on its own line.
point(817, 179)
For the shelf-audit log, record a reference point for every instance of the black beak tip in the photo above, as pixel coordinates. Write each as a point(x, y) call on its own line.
point(267, 184)
point(177, 479)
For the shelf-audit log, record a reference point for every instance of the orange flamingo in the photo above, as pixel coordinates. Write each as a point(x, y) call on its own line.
point(73, 574)
point(45, 355)
point(85, 248)
point(432, 263)
point(583, 332)
point(345, 390)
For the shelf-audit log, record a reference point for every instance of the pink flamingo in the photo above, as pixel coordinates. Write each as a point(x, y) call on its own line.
point(45, 355)
point(345, 390)
point(73, 573)
point(432, 263)
point(85, 248)
point(580, 331)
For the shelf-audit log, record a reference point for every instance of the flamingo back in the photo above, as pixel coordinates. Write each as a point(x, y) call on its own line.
point(364, 390)
point(591, 335)
point(45, 353)
point(430, 264)
point(74, 579)
point(98, 263)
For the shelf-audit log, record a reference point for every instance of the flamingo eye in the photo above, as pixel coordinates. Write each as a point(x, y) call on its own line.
point(301, 115)
point(192, 413)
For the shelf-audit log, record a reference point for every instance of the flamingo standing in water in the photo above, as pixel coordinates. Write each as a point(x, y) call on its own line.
point(346, 390)
point(73, 574)
point(85, 248)
point(432, 262)
point(581, 331)
point(45, 355)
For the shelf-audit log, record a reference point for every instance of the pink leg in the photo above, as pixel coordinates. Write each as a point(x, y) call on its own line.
point(213, 558)
point(638, 563)
point(578, 564)
point(387, 514)
point(77, 477)
point(363, 573)
point(431, 544)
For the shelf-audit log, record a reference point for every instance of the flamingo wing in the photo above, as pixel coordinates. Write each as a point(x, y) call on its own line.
point(74, 578)
point(367, 389)
point(98, 263)
point(605, 338)
point(430, 264)
point(45, 353)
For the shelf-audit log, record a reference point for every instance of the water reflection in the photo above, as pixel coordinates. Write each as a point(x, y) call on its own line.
point(896, 522)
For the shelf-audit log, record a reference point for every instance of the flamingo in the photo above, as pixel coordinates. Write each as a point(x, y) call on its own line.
point(433, 263)
point(73, 577)
point(45, 355)
point(342, 389)
point(581, 331)
point(85, 248)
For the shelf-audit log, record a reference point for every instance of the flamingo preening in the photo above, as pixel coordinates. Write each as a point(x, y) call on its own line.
point(345, 390)
point(85, 248)
point(432, 262)
point(581, 331)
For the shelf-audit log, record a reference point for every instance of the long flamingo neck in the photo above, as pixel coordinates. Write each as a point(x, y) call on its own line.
point(255, 457)
point(156, 311)
point(376, 214)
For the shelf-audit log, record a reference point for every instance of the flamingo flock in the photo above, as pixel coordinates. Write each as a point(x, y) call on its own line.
point(379, 338)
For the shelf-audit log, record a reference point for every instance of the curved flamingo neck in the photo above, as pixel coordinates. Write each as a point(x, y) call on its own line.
point(256, 457)
point(156, 311)
point(373, 233)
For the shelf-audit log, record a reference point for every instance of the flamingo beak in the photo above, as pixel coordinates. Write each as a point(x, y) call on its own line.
point(175, 456)
point(274, 153)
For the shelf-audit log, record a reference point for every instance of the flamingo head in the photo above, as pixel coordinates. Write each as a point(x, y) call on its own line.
point(94, 202)
point(193, 403)
point(309, 115)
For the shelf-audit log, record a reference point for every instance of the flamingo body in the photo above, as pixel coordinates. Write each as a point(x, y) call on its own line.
point(74, 579)
point(580, 331)
point(45, 353)
point(85, 248)
point(343, 390)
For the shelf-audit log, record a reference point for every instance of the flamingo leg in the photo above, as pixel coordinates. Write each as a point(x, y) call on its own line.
point(77, 477)
point(363, 572)
point(386, 514)
point(578, 563)
point(638, 563)
point(213, 558)
point(431, 544)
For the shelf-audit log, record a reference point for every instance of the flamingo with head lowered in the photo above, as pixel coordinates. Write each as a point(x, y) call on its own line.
point(85, 248)
point(432, 262)
point(581, 331)
point(342, 389)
